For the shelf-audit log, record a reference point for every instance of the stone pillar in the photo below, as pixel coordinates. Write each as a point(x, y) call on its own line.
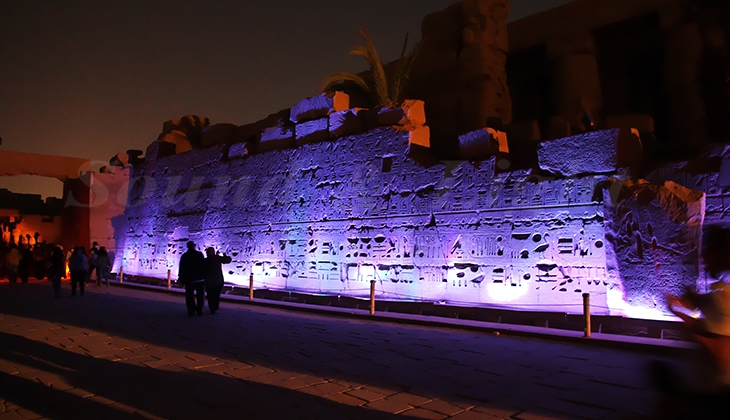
point(576, 79)
point(460, 70)
point(75, 214)
point(683, 46)
point(483, 59)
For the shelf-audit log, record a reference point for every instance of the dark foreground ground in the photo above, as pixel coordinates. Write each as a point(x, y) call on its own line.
point(130, 353)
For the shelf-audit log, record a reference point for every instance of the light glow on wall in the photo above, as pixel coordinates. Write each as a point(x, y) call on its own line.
point(329, 217)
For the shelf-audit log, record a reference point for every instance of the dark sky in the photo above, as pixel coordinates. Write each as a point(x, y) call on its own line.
point(91, 78)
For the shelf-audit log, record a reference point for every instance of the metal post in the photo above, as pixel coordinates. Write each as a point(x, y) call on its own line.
point(372, 297)
point(250, 287)
point(121, 275)
point(587, 314)
point(168, 279)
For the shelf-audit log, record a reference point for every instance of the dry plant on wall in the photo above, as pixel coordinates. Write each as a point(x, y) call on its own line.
point(383, 89)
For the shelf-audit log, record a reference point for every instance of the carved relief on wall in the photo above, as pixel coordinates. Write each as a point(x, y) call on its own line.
point(331, 217)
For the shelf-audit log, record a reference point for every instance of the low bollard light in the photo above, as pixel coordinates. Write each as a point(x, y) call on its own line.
point(169, 283)
point(250, 287)
point(372, 297)
point(121, 275)
point(587, 314)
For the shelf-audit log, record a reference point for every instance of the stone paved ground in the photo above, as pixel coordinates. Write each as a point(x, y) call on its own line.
point(129, 353)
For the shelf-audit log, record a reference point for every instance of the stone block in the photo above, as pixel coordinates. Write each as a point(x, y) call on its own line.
point(158, 150)
point(342, 123)
point(249, 133)
point(481, 144)
point(313, 131)
point(387, 116)
point(238, 150)
point(410, 112)
point(420, 136)
point(120, 159)
point(423, 156)
point(653, 235)
point(593, 152)
point(217, 134)
point(276, 138)
point(179, 139)
point(415, 111)
point(190, 125)
point(319, 106)
point(135, 156)
point(369, 117)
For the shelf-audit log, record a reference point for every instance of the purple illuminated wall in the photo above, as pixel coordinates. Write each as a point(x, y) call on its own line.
point(329, 217)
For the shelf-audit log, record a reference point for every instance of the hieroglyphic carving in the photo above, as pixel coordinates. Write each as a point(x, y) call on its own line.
point(332, 216)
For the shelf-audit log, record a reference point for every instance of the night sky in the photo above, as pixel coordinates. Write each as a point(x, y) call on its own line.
point(91, 79)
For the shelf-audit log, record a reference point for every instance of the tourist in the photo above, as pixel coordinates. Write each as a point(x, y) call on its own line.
point(710, 394)
point(40, 259)
point(12, 261)
point(103, 263)
point(191, 274)
point(214, 277)
point(57, 269)
point(78, 264)
point(26, 262)
point(93, 255)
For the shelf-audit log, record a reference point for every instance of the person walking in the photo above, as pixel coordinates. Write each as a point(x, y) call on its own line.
point(103, 263)
point(78, 264)
point(58, 267)
point(93, 255)
point(707, 396)
point(12, 261)
point(26, 263)
point(191, 273)
point(214, 277)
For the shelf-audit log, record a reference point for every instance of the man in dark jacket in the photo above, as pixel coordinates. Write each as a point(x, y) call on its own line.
point(214, 277)
point(77, 265)
point(192, 275)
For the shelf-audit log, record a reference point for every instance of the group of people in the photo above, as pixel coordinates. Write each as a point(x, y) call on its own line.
point(201, 275)
point(23, 260)
point(82, 266)
point(19, 261)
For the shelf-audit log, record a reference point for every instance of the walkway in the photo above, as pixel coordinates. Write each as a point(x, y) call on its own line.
point(130, 353)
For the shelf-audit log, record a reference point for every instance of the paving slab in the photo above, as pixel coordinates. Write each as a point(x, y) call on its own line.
point(133, 353)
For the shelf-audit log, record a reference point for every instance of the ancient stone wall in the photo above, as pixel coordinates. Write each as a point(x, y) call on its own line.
point(654, 234)
point(325, 198)
point(331, 216)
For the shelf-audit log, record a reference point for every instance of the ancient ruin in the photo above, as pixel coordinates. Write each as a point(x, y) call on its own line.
point(519, 180)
